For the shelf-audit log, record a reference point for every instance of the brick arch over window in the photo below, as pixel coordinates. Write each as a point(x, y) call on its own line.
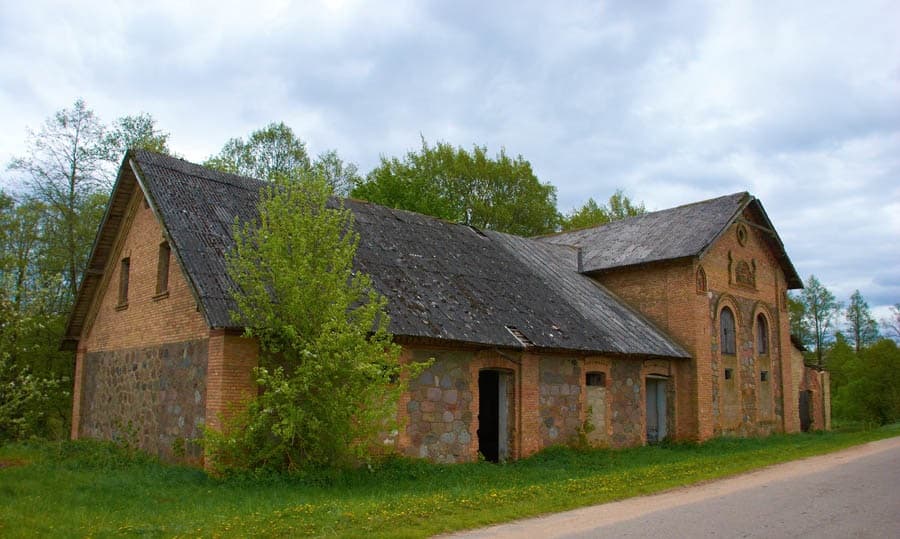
point(727, 331)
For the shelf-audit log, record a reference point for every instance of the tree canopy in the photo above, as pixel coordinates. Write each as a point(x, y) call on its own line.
point(592, 214)
point(470, 187)
point(46, 233)
point(275, 151)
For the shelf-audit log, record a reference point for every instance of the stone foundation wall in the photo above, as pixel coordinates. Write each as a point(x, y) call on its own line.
point(439, 408)
point(627, 403)
point(154, 397)
point(560, 400)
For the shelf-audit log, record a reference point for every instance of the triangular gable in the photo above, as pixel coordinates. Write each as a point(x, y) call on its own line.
point(111, 227)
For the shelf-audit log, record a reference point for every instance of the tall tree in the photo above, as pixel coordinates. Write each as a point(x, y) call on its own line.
point(497, 193)
point(65, 167)
point(820, 307)
point(863, 328)
point(275, 152)
point(592, 214)
point(20, 249)
point(799, 325)
point(891, 324)
point(135, 132)
point(340, 175)
point(271, 152)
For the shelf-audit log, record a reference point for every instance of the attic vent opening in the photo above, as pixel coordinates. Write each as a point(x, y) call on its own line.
point(526, 342)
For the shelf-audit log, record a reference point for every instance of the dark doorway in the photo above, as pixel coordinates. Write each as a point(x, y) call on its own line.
point(493, 411)
point(805, 412)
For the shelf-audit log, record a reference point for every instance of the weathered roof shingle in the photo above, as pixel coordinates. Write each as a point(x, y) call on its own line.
point(669, 234)
point(443, 281)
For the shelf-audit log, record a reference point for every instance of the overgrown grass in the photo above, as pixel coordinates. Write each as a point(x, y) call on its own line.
point(92, 489)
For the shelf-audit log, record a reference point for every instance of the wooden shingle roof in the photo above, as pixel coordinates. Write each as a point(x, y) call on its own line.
point(444, 282)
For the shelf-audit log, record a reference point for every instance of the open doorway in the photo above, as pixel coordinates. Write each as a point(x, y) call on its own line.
point(493, 414)
point(805, 410)
point(656, 409)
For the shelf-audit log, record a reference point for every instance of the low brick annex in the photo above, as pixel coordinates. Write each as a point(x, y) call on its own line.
point(671, 325)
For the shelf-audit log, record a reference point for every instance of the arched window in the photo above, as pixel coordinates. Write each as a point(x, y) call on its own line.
point(762, 335)
point(726, 332)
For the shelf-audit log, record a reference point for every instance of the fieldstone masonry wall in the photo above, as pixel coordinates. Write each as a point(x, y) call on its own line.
point(627, 404)
point(439, 408)
point(560, 400)
point(154, 396)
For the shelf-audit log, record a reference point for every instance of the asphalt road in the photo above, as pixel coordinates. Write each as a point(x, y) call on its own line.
point(852, 493)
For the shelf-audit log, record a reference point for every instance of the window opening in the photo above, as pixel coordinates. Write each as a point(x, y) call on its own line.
point(726, 332)
point(762, 335)
point(123, 281)
point(728, 374)
point(701, 280)
point(162, 268)
point(595, 379)
point(763, 376)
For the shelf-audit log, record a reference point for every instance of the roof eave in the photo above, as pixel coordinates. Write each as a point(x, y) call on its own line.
point(93, 273)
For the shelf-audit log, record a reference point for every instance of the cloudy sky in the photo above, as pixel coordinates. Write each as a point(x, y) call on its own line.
point(796, 102)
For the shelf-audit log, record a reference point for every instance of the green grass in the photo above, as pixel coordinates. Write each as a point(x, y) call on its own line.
point(90, 489)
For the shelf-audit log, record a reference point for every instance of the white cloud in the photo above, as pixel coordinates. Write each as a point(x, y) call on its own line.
point(798, 103)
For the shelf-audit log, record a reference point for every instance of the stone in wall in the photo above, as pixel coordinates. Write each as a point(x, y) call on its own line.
point(440, 412)
point(626, 400)
point(152, 397)
point(560, 400)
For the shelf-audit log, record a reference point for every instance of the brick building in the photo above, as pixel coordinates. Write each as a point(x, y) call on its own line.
point(668, 325)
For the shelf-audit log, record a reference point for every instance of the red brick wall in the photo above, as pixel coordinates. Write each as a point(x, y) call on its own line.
point(667, 294)
point(149, 319)
point(230, 379)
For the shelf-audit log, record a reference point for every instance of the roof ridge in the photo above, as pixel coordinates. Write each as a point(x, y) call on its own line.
point(648, 214)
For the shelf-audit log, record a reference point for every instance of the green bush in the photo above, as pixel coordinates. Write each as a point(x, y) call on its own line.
point(328, 367)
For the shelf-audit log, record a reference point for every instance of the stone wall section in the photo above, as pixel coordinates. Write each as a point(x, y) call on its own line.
point(438, 408)
point(560, 400)
point(150, 397)
point(596, 402)
point(818, 383)
point(626, 395)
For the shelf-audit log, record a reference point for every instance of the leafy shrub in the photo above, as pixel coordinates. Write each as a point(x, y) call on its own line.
point(328, 367)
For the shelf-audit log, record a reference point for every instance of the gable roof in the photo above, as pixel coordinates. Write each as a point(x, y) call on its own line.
point(443, 281)
point(680, 232)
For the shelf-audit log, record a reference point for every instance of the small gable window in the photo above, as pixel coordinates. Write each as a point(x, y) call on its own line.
point(726, 332)
point(162, 269)
point(595, 379)
point(124, 269)
point(762, 335)
point(701, 280)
